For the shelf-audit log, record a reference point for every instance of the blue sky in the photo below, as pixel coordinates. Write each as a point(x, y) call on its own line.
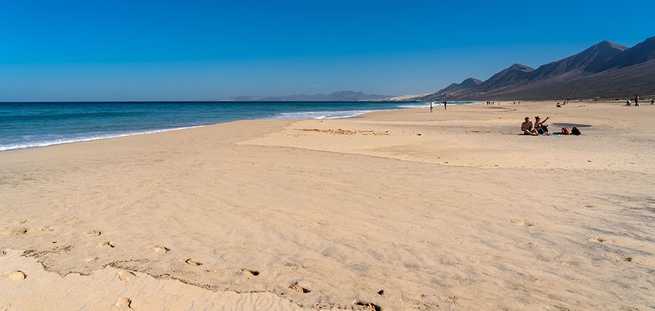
point(198, 50)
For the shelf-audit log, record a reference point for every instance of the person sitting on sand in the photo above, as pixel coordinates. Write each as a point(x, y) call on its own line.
point(540, 126)
point(527, 127)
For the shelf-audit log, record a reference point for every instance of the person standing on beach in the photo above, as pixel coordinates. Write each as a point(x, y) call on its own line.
point(431, 106)
point(636, 100)
point(445, 105)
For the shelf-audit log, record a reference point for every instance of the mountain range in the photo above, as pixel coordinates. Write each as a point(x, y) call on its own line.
point(604, 70)
point(334, 96)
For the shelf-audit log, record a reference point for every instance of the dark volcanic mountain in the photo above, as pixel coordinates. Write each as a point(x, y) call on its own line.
point(513, 75)
point(638, 54)
point(463, 87)
point(589, 60)
point(604, 70)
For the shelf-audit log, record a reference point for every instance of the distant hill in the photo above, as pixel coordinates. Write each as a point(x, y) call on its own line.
point(605, 69)
point(335, 96)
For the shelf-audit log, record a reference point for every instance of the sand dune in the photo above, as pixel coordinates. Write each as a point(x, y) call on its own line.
point(400, 210)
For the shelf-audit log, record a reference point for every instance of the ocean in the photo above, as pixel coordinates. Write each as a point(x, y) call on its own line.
point(27, 125)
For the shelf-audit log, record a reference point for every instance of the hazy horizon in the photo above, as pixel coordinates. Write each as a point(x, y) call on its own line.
point(98, 51)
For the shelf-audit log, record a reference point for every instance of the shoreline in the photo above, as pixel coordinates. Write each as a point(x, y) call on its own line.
point(281, 116)
point(102, 137)
point(402, 209)
point(356, 113)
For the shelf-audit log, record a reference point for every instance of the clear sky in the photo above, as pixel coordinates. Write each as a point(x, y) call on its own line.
point(196, 49)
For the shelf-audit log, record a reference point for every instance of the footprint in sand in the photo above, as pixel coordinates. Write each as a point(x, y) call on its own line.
point(15, 231)
point(161, 249)
point(47, 229)
point(250, 272)
point(190, 261)
point(598, 240)
point(123, 303)
point(125, 275)
point(298, 288)
point(107, 244)
point(94, 233)
point(368, 306)
point(17, 276)
point(522, 222)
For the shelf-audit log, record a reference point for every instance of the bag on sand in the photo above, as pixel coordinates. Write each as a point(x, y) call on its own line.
point(575, 131)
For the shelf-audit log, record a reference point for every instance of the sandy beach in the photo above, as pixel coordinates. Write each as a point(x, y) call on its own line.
point(394, 210)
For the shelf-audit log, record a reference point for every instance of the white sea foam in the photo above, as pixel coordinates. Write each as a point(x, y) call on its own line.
point(412, 106)
point(436, 104)
point(46, 143)
point(320, 115)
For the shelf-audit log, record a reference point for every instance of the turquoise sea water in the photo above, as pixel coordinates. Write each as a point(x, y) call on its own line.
point(25, 125)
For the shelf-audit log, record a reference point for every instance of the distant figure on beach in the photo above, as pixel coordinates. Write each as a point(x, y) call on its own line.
point(431, 106)
point(636, 100)
point(652, 101)
point(540, 125)
point(528, 128)
point(445, 105)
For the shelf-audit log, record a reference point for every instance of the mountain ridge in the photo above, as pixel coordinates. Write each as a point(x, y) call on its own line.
point(606, 69)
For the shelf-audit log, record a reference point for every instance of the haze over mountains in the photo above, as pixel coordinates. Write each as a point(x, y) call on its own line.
point(334, 96)
point(606, 70)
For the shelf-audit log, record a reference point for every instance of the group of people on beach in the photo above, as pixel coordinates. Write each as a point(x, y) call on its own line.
point(636, 101)
point(539, 127)
point(445, 105)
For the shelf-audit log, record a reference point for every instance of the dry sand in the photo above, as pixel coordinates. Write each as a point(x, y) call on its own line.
point(404, 210)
